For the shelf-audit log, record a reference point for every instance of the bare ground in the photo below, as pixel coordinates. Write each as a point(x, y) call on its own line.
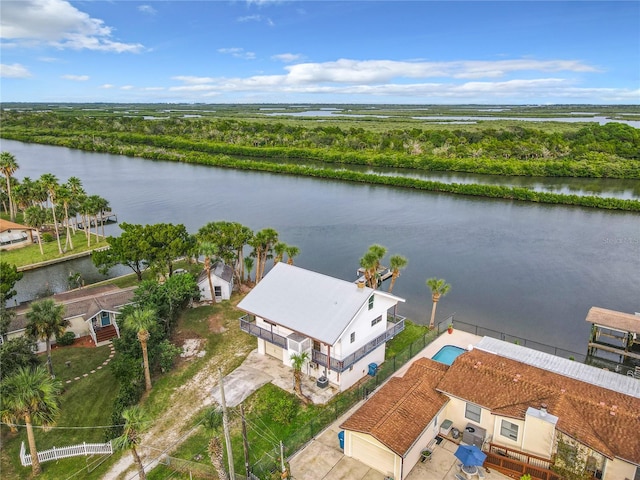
point(168, 430)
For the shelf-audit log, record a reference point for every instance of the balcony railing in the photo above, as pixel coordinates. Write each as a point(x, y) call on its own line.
point(248, 324)
point(516, 463)
point(341, 365)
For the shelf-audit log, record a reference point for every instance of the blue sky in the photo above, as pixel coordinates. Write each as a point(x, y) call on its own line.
point(261, 51)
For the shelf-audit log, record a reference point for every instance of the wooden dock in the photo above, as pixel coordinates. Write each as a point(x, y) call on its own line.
point(102, 218)
point(383, 274)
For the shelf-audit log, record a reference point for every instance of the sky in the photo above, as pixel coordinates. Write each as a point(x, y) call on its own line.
point(297, 52)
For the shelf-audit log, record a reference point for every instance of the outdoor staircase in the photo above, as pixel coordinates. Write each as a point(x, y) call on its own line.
point(105, 334)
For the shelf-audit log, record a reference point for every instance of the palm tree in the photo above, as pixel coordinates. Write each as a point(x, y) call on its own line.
point(208, 249)
point(65, 197)
point(216, 454)
point(36, 217)
point(142, 320)
point(292, 251)
point(45, 319)
point(50, 184)
point(248, 264)
point(368, 264)
point(74, 184)
point(135, 422)
point(279, 249)
point(33, 396)
point(8, 166)
point(396, 263)
point(439, 288)
point(297, 361)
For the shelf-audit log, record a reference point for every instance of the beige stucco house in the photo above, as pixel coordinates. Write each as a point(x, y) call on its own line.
point(90, 311)
point(514, 402)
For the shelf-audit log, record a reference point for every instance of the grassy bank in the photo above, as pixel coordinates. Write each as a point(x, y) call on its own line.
point(31, 255)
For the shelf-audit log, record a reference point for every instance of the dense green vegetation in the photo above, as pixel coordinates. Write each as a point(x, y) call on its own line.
point(592, 150)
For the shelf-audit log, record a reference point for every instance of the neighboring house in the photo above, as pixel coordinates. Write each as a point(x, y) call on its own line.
point(343, 326)
point(91, 311)
point(614, 333)
point(222, 280)
point(13, 235)
point(517, 403)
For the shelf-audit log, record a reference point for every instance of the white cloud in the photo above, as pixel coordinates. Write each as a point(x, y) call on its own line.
point(237, 52)
point(59, 24)
point(14, 71)
point(107, 86)
point(148, 9)
point(250, 18)
point(458, 81)
point(287, 57)
point(76, 78)
point(193, 80)
point(126, 87)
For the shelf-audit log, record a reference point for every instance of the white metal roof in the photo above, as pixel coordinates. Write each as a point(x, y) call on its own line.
point(562, 366)
point(316, 305)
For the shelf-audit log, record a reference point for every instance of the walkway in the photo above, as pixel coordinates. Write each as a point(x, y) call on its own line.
point(112, 353)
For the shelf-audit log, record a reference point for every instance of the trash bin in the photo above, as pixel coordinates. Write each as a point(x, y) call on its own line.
point(341, 439)
point(373, 369)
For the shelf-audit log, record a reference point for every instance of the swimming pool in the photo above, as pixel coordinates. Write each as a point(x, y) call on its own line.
point(448, 354)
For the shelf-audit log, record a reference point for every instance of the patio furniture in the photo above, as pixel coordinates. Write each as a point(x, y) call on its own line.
point(469, 471)
point(481, 473)
point(460, 477)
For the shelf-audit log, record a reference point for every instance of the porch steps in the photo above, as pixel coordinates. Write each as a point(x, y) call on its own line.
point(105, 334)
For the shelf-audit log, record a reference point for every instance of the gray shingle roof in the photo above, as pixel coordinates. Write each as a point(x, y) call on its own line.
point(316, 305)
point(85, 303)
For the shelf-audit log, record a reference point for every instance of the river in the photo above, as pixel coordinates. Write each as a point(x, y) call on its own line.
point(527, 269)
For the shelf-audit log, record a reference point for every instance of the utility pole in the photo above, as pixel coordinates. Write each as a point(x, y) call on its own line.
point(225, 424)
point(245, 442)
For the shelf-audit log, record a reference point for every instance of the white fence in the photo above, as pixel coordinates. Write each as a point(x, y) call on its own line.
point(64, 452)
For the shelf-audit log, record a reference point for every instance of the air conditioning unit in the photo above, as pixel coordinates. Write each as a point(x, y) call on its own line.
point(313, 365)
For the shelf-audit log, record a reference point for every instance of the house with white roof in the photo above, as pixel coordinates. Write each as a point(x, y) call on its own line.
point(343, 326)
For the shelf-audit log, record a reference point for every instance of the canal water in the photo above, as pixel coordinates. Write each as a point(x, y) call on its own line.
point(526, 269)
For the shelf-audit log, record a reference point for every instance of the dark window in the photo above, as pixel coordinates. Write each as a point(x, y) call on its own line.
point(217, 291)
point(316, 345)
point(370, 302)
point(353, 337)
point(509, 430)
point(376, 321)
point(472, 412)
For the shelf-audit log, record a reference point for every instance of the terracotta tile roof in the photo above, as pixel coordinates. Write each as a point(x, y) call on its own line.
point(7, 225)
point(605, 420)
point(400, 411)
point(626, 322)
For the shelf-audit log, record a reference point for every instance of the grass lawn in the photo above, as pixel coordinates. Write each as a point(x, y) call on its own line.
point(85, 405)
point(31, 254)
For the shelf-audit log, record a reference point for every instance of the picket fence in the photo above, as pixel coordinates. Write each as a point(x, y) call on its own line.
point(56, 453)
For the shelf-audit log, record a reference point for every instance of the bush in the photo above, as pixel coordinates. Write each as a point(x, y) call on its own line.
point(283, 408)
point(66, 339)
point(47, 237)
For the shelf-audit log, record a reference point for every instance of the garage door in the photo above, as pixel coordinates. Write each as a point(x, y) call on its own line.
point(370, 454)
point(273, 350)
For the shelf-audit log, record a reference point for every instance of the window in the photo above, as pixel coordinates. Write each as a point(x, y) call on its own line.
point(353, 337)
point(472, 412)
point(509, 430)
point(316, 345)
point(371, 302)
point(376, 321)
point(217, 291)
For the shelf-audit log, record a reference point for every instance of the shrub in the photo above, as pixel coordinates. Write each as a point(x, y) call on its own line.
point(66, 339)
point(47, 237)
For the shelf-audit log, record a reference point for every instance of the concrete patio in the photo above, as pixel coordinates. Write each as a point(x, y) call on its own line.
point(322, 458)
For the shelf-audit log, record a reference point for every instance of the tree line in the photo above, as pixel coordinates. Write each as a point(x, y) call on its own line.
point(610, 150)
point(46, 202)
